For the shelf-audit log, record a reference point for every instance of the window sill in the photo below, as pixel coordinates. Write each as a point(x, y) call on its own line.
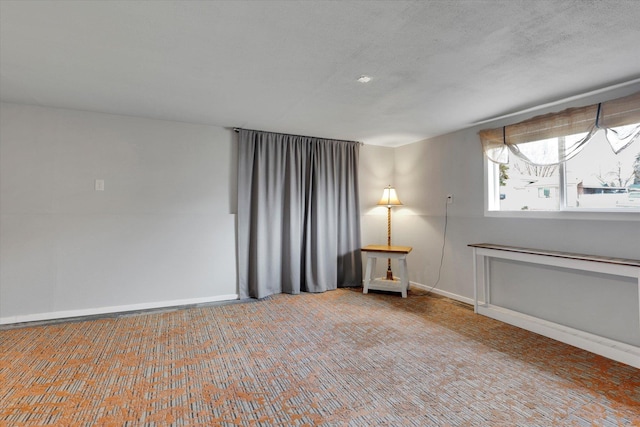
point(600, 215)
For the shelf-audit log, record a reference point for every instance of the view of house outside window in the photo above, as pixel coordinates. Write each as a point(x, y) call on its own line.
point(595, 179)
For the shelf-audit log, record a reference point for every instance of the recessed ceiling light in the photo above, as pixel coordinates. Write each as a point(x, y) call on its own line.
point(364, 79)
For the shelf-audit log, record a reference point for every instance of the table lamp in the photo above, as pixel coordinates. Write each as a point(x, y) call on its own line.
point(389, 199)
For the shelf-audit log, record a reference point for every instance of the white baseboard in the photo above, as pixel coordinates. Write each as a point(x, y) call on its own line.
point(443, 293)
point(112, 309)
point(606, 347)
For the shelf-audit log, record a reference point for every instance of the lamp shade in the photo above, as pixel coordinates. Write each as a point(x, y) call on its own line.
point(389, 198)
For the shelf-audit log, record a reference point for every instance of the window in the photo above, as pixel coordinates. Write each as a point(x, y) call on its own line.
point(580, 159)
point(595, 179)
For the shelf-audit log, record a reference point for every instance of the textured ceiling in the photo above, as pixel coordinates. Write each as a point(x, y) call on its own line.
point(289, 66)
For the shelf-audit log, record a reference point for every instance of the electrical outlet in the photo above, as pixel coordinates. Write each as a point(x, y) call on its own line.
point(449, 199)
point(99, 184)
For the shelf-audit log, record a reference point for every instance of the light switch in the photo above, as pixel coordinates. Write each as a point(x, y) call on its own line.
point(99, 184)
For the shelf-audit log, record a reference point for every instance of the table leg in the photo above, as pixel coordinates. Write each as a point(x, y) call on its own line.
point(404, 277)
point(370, 271)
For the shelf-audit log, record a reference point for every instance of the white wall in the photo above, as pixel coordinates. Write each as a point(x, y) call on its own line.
point(453, 164)
point(161, 233)
point(425, 172)
point(375, 173)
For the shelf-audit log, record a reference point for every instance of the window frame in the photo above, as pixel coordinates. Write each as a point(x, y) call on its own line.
point(492, 202)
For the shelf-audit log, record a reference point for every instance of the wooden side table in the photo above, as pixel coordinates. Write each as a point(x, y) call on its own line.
point(383, 251)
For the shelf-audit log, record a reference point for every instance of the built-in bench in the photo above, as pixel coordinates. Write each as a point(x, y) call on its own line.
point(613, 349)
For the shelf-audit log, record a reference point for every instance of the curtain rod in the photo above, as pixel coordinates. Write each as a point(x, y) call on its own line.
point(236, 130)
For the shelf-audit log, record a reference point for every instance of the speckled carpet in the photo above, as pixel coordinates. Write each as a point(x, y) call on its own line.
point(335, 359)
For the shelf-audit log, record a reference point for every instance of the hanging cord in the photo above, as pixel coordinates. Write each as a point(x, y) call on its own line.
point(598, 115)
point(444, 241)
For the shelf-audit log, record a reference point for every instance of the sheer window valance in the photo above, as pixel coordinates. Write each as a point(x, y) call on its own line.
point(553, 138)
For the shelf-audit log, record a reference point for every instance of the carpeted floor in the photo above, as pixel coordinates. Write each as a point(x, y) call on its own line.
point(335, 359)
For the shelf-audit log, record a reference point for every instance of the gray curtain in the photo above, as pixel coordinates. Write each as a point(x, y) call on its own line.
point(298, 214)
